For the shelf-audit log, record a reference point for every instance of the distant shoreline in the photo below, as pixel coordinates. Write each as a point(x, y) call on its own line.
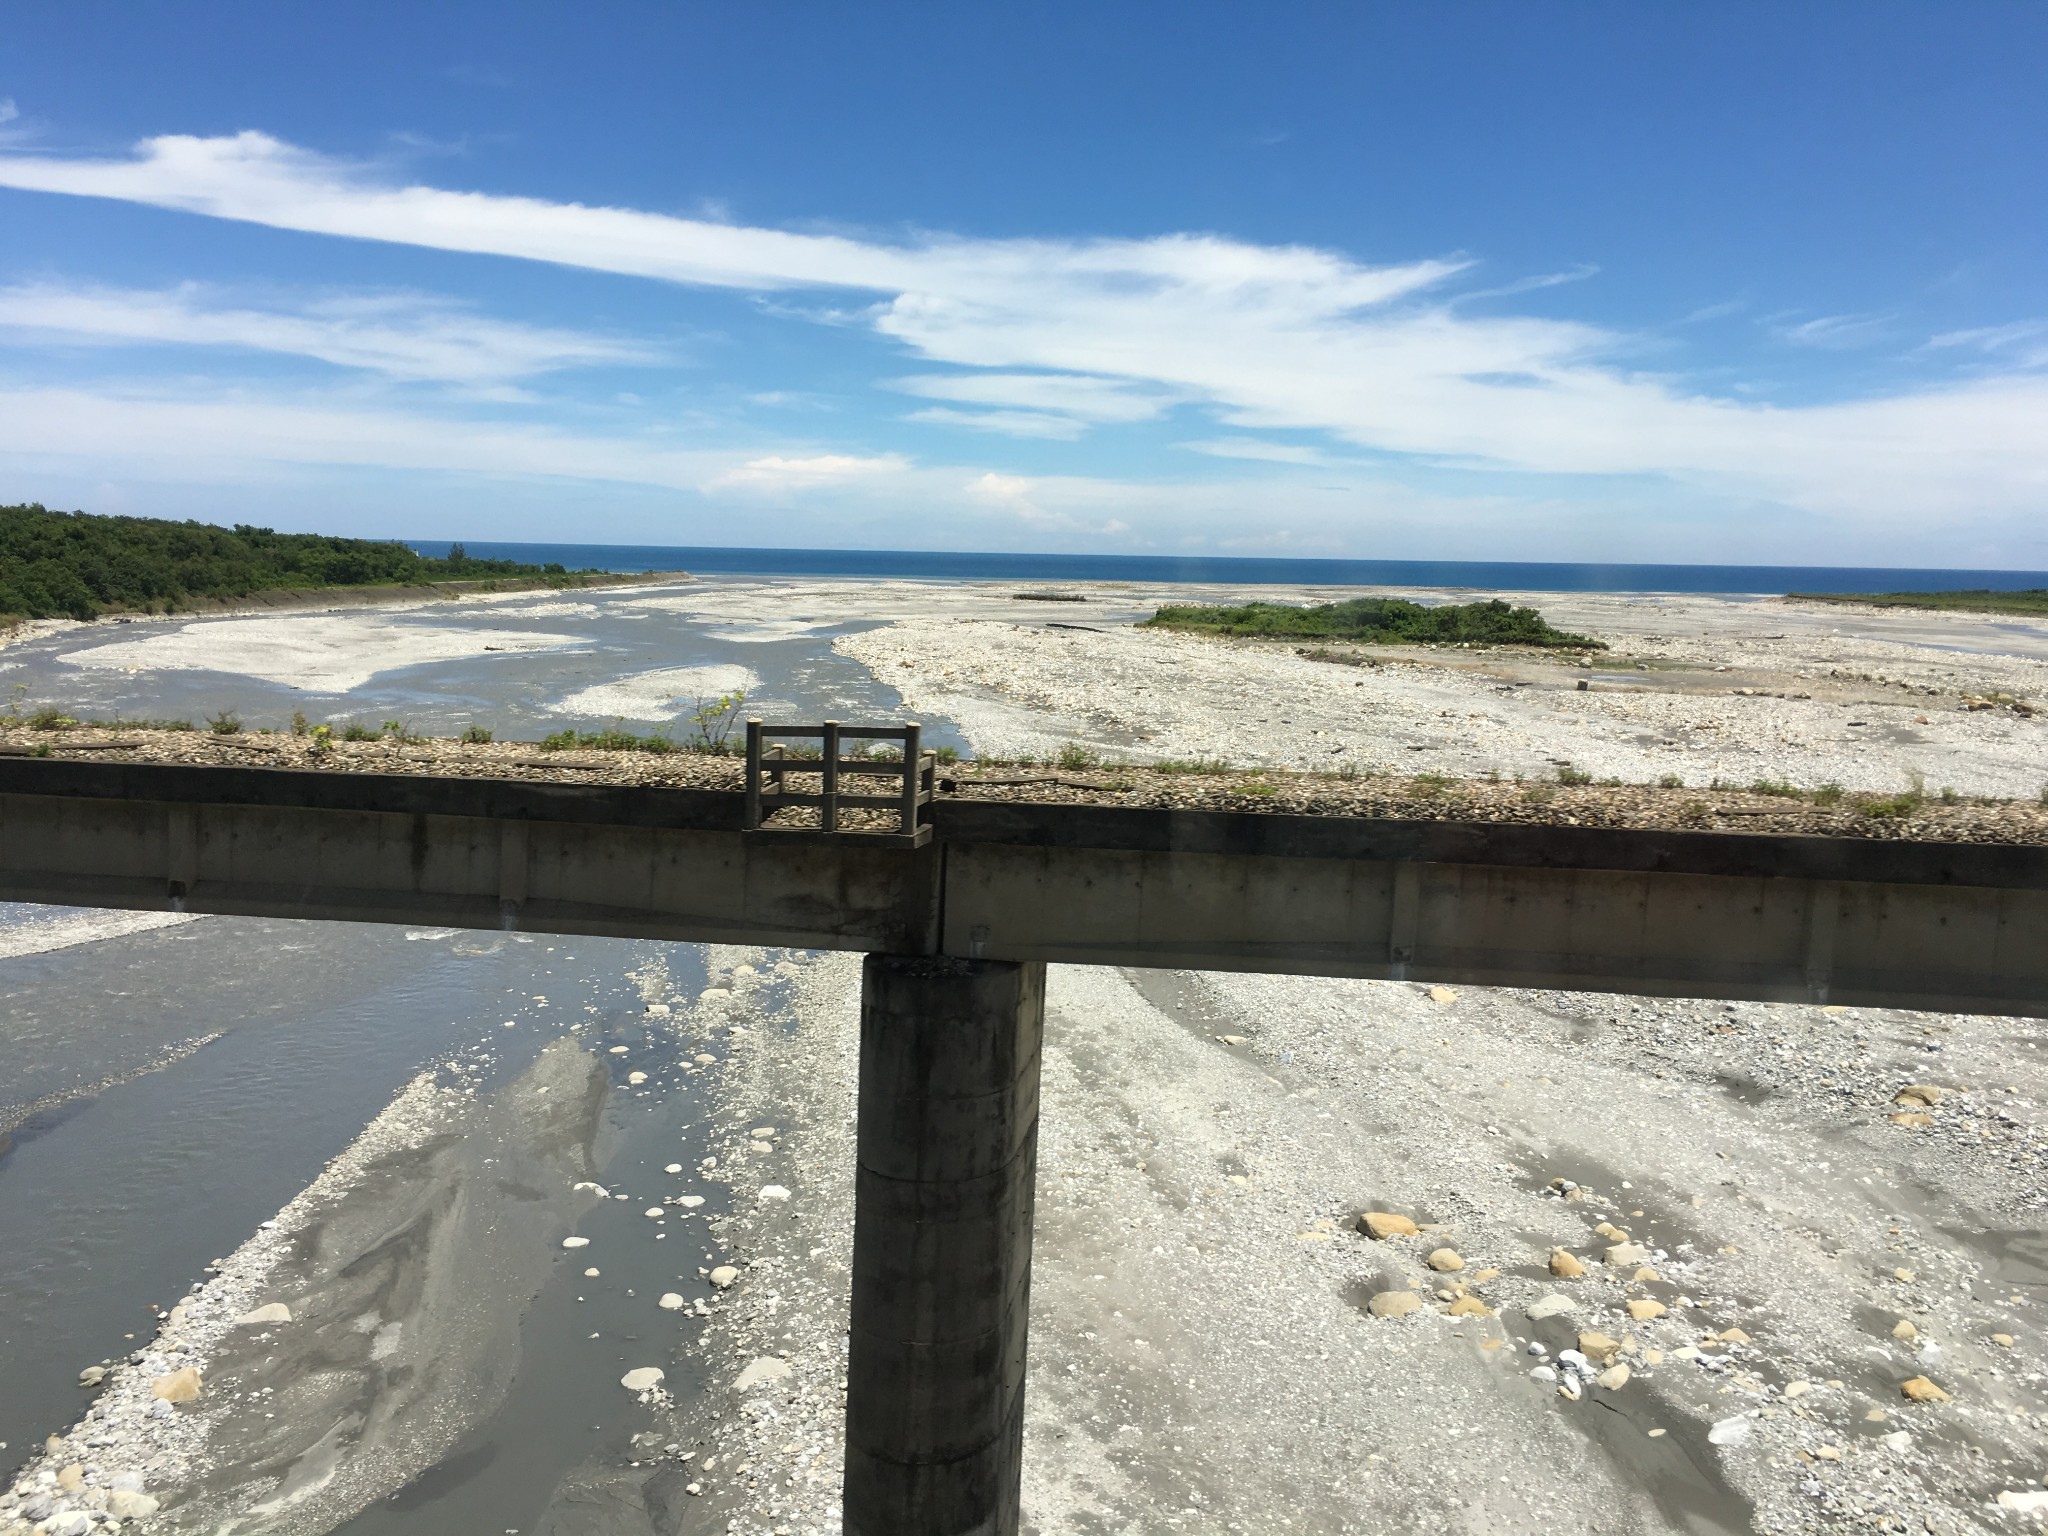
point(1261, 571)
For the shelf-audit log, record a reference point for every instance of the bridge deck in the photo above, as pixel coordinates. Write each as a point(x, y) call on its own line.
point(1955, 926)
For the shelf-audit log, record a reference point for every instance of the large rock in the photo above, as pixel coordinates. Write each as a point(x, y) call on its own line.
point(1552, 1305)
point(671, 1301)
point(269, 1312)
point(1446, 1261)
point(1382, 1225)
point(1394, 1304)
point(1564, 1266)
point(124, 1504)
point(1920, 1390)
point(180, 1386)
point(644, 1379)
point(725, 1277)
point(1597, 1346)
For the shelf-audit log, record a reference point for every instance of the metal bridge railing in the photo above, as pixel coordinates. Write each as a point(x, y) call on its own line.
point(771, 769)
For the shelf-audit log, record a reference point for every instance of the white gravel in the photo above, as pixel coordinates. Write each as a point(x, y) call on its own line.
point(1201, 1355)
point(322, 653)
point(1028, 689)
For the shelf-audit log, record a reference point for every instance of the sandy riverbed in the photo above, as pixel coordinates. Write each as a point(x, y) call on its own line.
point(1203, 1355)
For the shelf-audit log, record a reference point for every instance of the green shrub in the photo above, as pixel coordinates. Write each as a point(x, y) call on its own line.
point(226, 723)
point(475, 736)
point(1380, 620)
point(1567, 774)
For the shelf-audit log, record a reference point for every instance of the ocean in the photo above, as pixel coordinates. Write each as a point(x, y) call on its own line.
point(1490, 575)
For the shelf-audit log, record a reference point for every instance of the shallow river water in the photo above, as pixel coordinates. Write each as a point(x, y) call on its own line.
point(162, 1092)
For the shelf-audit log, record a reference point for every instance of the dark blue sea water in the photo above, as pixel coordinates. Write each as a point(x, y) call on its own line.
point(1505, 576)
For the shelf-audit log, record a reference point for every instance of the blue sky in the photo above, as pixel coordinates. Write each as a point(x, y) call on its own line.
point(1559, 281)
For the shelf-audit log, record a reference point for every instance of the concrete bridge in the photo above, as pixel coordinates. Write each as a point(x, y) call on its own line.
point(958, 915)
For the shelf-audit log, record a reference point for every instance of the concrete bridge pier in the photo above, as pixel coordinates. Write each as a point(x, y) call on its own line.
point(944, 1188)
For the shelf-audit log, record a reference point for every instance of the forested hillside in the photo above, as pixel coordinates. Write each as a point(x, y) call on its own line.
point(76, 565)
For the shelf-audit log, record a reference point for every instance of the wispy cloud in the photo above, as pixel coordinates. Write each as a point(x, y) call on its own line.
point(403, 336)
point(1257, 448)
point(1577, 274)
point(1835, 331)
point(1261, 337)
point(782, 472)
point(1051, 405)
point(2023, 342)
point(8, 110)
point(1008, 423)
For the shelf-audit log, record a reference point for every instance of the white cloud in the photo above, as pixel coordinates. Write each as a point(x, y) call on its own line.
point(405, 336)
point(1836, 331)
point(1078, 395)
point(223, 435)
point(2023, 342)
point(781, 472)
point(1257, 448)
point(8, 110)
point(1577, 274)
point(1009, 423)
point(1263, 337)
